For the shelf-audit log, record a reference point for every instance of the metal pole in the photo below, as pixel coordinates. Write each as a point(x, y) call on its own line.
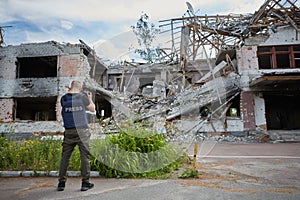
point(195, 156)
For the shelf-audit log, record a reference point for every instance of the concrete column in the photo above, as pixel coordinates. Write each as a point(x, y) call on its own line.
point(159, 89)
point(260, 111)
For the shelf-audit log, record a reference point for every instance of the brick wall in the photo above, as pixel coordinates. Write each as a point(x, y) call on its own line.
point(6, 110)
point(247, 58)
point(69, 65)
point(247, 110)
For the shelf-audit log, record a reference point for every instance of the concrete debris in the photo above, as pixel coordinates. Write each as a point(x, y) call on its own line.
point(231, 88)
point(178, 104)
point(115, 100)
point(194, 98)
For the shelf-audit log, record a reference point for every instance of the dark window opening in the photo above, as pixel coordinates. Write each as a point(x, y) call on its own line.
point(85, 51)
point(37, 67)
point(147, 89)
point(146, 81)
point(37, 108)
point(118, 81)
point(279, 57)
point(146, 86)
point(204, 111)
point(282, 48)
point(264, 49)
point(265, 62)
point(296, 48)
point(113, 82)
point(283, 61)
point(297, 60)
point(234, 107)
point(103, 107)
point(282, 111)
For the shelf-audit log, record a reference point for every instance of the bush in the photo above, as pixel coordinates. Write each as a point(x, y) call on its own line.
point(135, 152)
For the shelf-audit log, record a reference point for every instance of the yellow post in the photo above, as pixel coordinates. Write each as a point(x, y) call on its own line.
point(195, 155)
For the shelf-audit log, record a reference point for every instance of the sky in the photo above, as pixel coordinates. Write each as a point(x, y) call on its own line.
point(98, 21)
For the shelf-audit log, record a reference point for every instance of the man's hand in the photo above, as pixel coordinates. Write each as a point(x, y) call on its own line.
point(91, 107)
point(90, 96)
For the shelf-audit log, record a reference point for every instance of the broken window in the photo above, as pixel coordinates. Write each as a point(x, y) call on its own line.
point(147, 90)
point(204, 111)
point(234, 107)
point(114, 82)
point(146, 85)
point(35, 108)
point(37, 67)
point(279, 57)
point(103, 107)
point(296, 50)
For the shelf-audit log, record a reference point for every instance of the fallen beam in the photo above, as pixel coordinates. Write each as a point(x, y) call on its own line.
point(206, 94)
point(109, 96)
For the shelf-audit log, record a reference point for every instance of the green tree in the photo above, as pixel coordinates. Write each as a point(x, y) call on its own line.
point(146, 33)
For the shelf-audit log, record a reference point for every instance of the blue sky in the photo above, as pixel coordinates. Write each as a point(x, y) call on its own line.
point(93, 21)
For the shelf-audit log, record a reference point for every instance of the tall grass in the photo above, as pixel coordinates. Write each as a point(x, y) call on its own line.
point(29, 154)
point(35, 154)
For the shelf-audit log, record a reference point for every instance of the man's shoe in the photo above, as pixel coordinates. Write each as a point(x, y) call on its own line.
point(86, 186)
point(61, 186)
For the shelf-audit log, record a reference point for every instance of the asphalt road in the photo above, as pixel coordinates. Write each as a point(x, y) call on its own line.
point(227, 171)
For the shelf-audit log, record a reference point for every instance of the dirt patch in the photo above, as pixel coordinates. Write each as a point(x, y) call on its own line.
point(215, 185)
point(211, 175)
point(37, 185)
point(280, 191)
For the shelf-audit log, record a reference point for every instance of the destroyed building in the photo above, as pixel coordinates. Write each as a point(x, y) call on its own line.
point(223, 74)
point(229, 74)
point(34, 76)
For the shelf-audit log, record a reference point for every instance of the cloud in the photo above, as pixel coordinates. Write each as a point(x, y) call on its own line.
point(117, 10)
point(93, 20)
point(66, 24)
point(116, 47)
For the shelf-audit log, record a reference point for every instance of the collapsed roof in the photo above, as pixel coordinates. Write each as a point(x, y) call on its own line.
point(227, 31)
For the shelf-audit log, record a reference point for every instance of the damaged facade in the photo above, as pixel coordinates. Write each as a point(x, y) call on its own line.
point(34, 76)
point(225, 74)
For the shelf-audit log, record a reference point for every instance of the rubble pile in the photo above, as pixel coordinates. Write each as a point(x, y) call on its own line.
point(186, 104)
point(251, 138)
point(180, 114)
point(201, 136)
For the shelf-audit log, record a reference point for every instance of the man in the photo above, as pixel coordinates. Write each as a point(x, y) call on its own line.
point(74, 106)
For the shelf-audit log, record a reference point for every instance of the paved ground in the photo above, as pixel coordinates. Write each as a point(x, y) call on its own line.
point(227, 171)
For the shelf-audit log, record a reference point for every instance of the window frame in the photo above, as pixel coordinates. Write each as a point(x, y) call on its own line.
point(273, 55)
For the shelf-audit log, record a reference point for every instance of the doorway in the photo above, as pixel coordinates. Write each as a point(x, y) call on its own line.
point(282, 111)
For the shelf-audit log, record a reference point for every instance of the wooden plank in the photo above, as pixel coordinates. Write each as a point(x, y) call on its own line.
point(274, 78)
